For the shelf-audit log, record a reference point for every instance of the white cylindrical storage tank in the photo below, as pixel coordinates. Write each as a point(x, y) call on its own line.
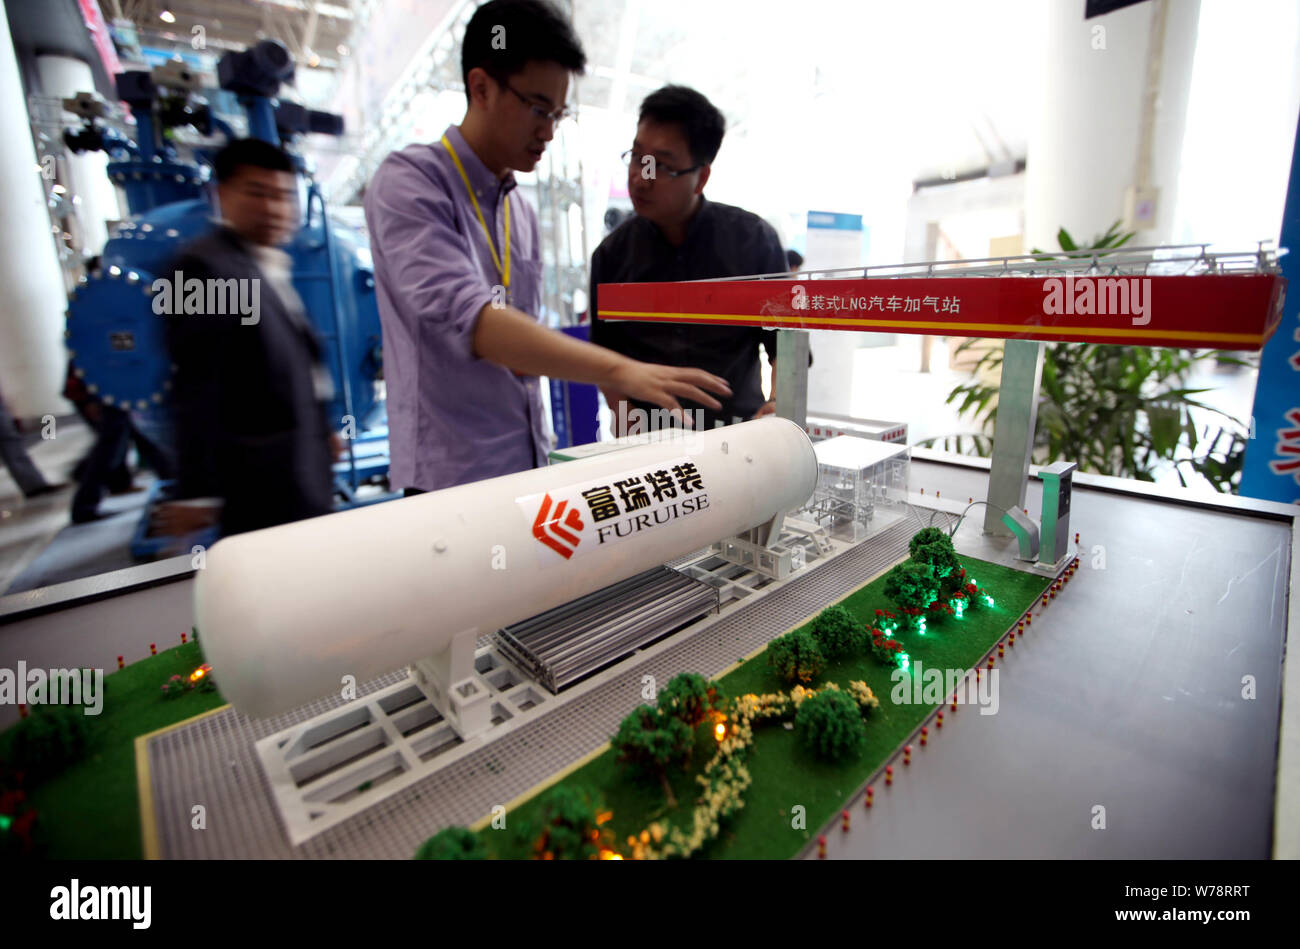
point(285, 613)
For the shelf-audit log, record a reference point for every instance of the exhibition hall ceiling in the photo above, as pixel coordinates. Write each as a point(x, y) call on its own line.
point(313, 31)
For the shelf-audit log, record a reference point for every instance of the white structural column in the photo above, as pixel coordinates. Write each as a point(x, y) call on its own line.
point(1101, 83)
point(34, 299)
point(62, 77)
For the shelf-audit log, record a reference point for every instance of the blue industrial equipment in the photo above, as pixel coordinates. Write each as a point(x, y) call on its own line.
point(116, 340)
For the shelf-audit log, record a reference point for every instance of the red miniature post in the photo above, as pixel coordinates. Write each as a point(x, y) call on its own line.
point(938, 720)
point(844, 820)
point(924, 733)
point(871, 793)
point(183, 635)
point(120, 663)
point(889, 774)
point(153, 649)
point(821, 848)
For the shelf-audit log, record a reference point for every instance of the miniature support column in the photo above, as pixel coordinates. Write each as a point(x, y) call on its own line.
point(1013, 431)
point(453, 685)
point(792, 376)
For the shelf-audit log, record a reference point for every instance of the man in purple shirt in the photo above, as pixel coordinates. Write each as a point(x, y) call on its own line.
point(458, 267)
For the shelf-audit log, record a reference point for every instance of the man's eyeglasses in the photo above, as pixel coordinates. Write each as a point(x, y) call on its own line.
point(656, 168)
point(558, 116)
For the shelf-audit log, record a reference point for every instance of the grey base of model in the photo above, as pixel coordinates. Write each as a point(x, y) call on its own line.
point(1126, 693)
point(212, 762)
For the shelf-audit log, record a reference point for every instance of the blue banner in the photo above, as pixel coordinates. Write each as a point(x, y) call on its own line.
point(574, 405)
point(1272, 467)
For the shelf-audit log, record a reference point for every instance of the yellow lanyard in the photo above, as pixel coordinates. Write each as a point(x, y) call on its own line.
point(504, 272)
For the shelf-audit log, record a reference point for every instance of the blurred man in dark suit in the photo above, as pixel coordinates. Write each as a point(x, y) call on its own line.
point(13, 453)
point(254, 446)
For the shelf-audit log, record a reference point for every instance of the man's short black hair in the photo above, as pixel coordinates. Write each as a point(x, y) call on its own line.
point(504, 36)
point(794, 259)
point(700, 120)
point(244, 152)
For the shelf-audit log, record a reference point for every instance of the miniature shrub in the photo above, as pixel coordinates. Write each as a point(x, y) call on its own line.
point(452, 843)
point(48, 740)
point(568, 829)
point(830, 725)
point(837, 633)
point(889, 651)
point(689, 697)
point(796, 657)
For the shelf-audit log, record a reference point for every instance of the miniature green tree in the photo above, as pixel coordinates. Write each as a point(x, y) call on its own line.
point(796, 657)
point(689, 697)
point(913, 587)
point(830, 724)
point(933, 547)
point(837, 633)
point(48, 740)
point(568, 828)
point(653, 740)
point(926, 537)
point(453, 843)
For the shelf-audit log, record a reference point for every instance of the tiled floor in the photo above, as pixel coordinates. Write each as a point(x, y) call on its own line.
point(27, 527)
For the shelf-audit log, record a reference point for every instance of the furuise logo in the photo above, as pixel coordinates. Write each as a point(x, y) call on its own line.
point(558, 530)
point(590, 516)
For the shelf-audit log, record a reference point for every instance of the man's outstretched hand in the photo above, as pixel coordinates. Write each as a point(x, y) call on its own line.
point(664, 385)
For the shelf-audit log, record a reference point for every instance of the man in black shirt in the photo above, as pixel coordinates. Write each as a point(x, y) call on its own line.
point(678, 235)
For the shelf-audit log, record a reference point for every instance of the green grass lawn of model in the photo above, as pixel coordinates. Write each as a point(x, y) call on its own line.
point(68, 783)
point(750, 764)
